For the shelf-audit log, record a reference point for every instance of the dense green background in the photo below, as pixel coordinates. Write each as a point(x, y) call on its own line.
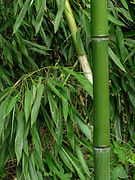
point(46, 106)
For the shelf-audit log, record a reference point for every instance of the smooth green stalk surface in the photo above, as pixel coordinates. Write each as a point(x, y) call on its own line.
point(99, 18)
point(100, 90)
point(102, 163)
point(101, 93)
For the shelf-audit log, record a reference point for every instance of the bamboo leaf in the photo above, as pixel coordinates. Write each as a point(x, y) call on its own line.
point(87, 86)
point(116, 60)
point(83, 126)
point(10, 105)
point(38, 4)
point(121, 43)
point(40, 15)
point(132, 53)
point(124, 3)
point(32, 171)
point(53, 107)
point(118, 127)
point(39, 175)
point(25, 164)
point(13, 119)
point(4, 93)
point(4, 76)
point(29, 43)
point(59, 15)
point(48, 122)
point(21, 16)
point(39, 162)
point(27, 104)
point(54, 89)
point(82, 160)
point(114, 20)
point(70, 128)
point(66, 160)
point(36, 105)
point(86, 25)
point(36, 140)
point(52, 165)
point(75, 164)
point(2, 112)
point(59, 131)
point(65, 104)
point(19, 136)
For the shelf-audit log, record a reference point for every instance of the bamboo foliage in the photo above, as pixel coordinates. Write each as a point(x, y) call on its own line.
point(46, 105)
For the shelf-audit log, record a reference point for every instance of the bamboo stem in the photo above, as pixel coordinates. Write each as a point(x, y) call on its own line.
point(101, 163)
point(79, 48)
point(100, 89)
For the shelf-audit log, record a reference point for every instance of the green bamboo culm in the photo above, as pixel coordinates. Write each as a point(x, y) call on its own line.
point(78, 43)
point(101, 140)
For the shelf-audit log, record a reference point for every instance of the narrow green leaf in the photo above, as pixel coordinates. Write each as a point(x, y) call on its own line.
point(4, 93)
point(27, 104)
point(132, 53)
point(70, 128)
point(36, 105)
point(10, 105)
point(29, 43)
point(59, 130)
point(86, 24)
point(39, 51)
point(114, 20)
point(2, 112)
point(131, 95)
point(75, 164)
point(39, 162)
point(36, 140)
point(59, 15)
point(85, 129)
point(52, 165)
point(12, 127)
point(116, 59)
point(49, 123)
point(87, 86)
point(21, 16)
point(5, 76)
point(118, 127)
point(4, 156)
point(124, 3)
point(38, 4)
point(131, 8)
point(53, 107)
point(25, 144)
point(39, 175)
point(40, 15)
point(66, 160)
point(32, 171)
point(121, 43)
point(54, 89)
point(79, 41)
point(82, 160)
point(19, 136)
point(65, 107)
point(25, 164)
